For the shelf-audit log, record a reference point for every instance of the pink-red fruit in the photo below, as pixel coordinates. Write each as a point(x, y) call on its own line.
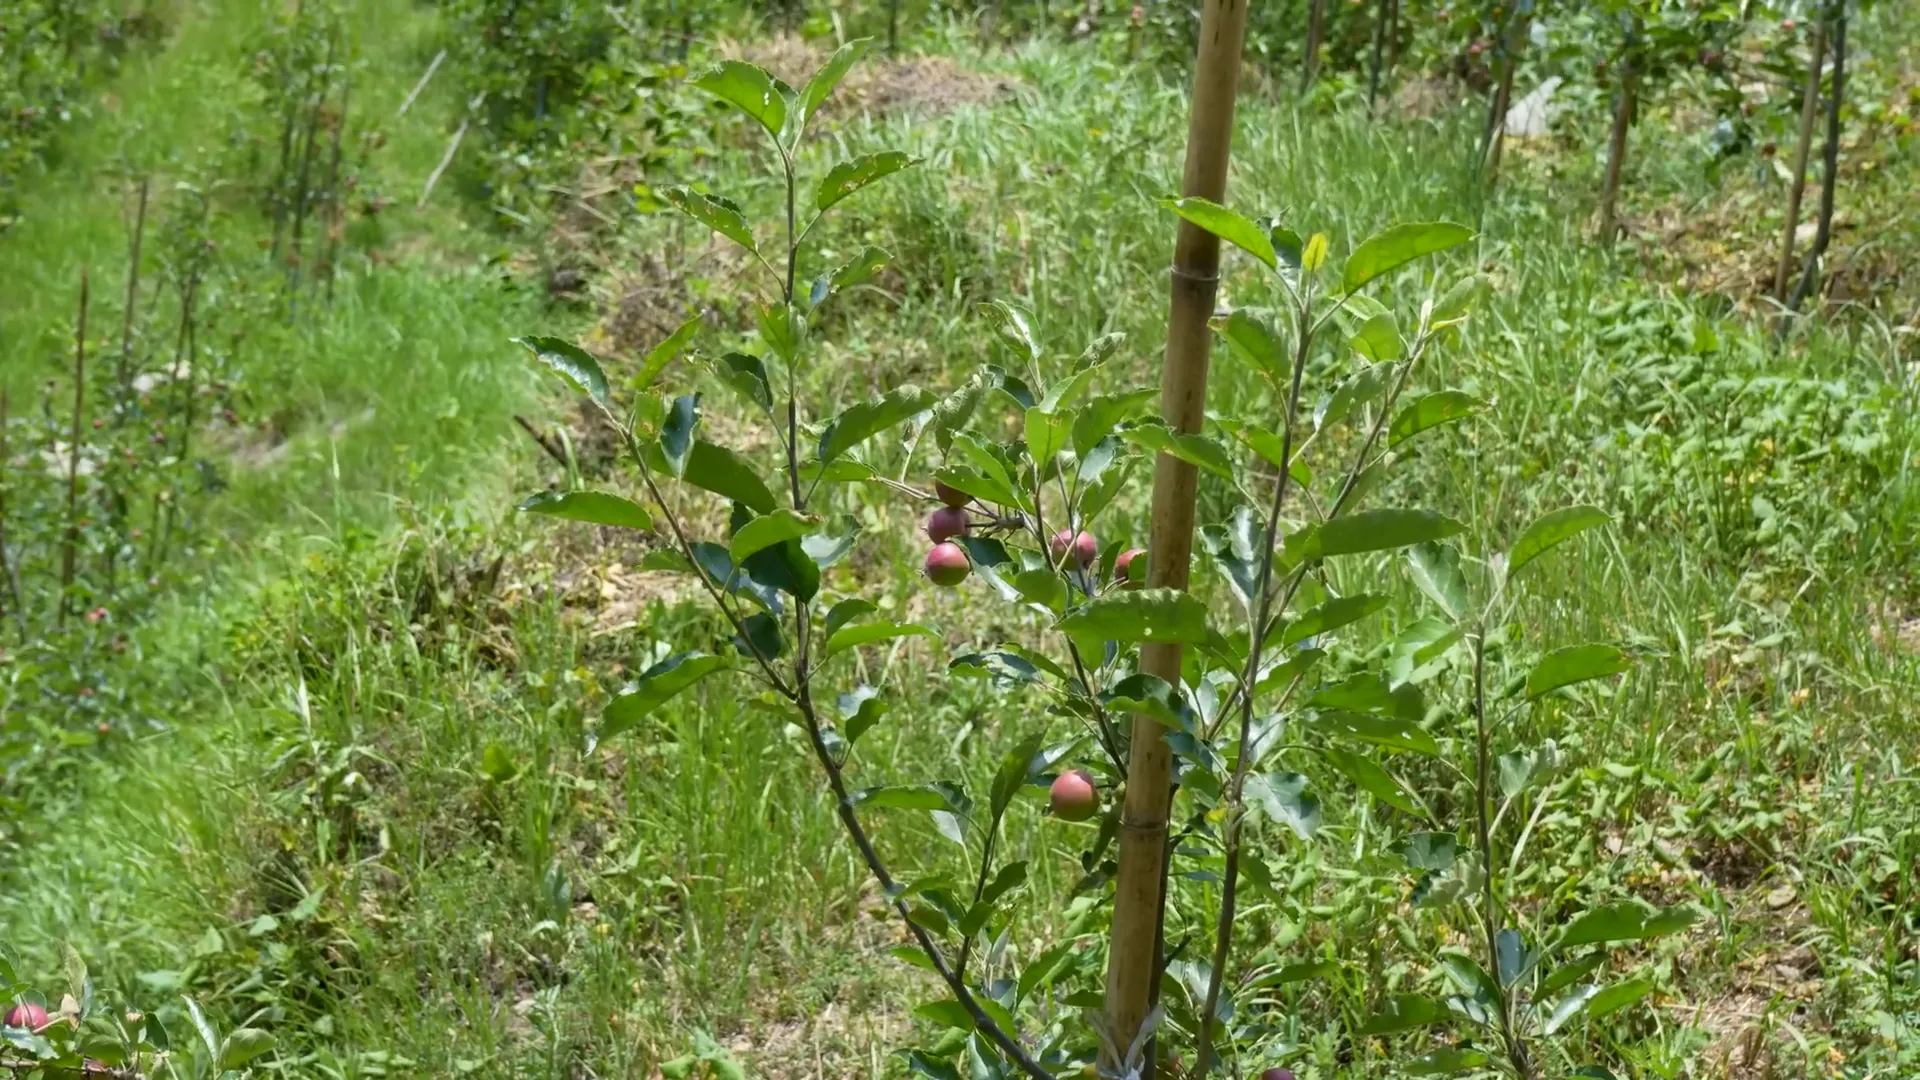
point(1074, 796)
point(1084, 548)
point(27, 1015)
point(946, 523)
point(1277, 1074)
point(1130, 569)
point(952, 496)
point(947, 565)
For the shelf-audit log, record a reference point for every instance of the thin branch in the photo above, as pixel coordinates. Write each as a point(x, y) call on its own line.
point(422, 84)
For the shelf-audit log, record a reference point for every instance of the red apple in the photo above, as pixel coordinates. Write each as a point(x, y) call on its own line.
point(1277, 1074)
point(1123, 568)
point(947, 564)
point(1074, 796)
point(27, 1015)
point(946, 523)
point(1084, 548)
point(952, 496)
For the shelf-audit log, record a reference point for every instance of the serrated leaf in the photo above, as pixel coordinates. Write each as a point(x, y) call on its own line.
point(1404, 1012)
point(1431, 411)
point(1284, 798)
point(653, 688)
point(720, 214)
point(596, 507)
point(1139, 615)
point(573, 363)
point(1435, 568)
point(861, 422)
point(665, 352)
point(1226, 224)
point(1551, 529)
point(764, 532)
point(749, 89)
point(1389, 731)
point(1380, 530)
point(1398, 245)
point(1575, 664)
point(850, 176)
point(1332, 615)
point(866, 633)
point(1371, 777)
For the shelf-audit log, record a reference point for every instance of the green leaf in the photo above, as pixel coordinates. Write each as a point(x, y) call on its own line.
point(1444, 1062)
point(1102, 414)
point(721, 471)
point(1551, 529)
point(1149, 695)
point(861, 708)
point(1575, 664)
point(720, 214)
point(243, 1046)
point(1014, 327)
point(760, 637)
point(1227, 225)
point(655, 687)
point(869, 418)
point(1284, 798)
point(202, 1028)
point(764, 532)
point(1203, 451)
point(1139, 615)
point(1378, 339)
point(985, 488)
point(748, 374)
point(866, 633)
point(1431, 411)
point(1015, 766)
point(497, 764)
point(1368, 775)
point(862, 267)
point(574, 364)
point(1356, 391)
point(749, 89)
point(850, 176)
point(1435, 568)
point(1388, 731)
point(914, 797)
point(1296, 973)
point(1568, 974)
point(1394, 247)
point(596, 507)
point(1569, 1007)
point(676, 433)
point(1432, 851)
point(661, 355)
point(1625, 922)
point(846, 611)
point(1404, 1012)
point(1252, 339)
point(1616, 997)
point(1332, 615)
point(1380, 530)
point(1459, 300)
point(947, 1012)
point(1046, 433)
point(822, 84)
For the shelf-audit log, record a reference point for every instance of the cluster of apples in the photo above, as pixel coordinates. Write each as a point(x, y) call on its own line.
point(947, 564)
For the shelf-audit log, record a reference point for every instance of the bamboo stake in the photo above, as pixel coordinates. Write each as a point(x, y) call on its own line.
point(1139, 895)
point(1809, 112)
point(1830, 155)
point(125, 374)
point(68, 549)
point(422, 84)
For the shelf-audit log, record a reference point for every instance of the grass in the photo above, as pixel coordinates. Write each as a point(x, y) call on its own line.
point(364, 808)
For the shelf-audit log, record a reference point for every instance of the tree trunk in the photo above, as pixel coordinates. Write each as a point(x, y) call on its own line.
point(893, 27)
point(1134, 961)
point(1617, 150)
point(1379, 44)
point(124, 376)
point(1809, 112)
point(69, 549)
point(1316, 28)
point(1510, 45)
point(1830, 160)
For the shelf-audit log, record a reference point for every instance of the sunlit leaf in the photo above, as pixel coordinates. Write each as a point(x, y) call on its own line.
point(1431, 411)
point(1551, 529)
point(863, 421)
point(655, 687)
point(1575, 664)
point(1139, 615)
point(850, 176)
point(574, 364)
point(1398, 245)
point(1227, 225)
point(596, 507)
point(749, 89)
point(720, 214)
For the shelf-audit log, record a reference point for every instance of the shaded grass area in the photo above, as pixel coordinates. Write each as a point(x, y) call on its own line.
point(368, 810)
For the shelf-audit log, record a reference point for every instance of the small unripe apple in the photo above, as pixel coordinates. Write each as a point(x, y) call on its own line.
point(1277, 1074)
point(952, 496)
point(1124, 568)
point(1074, 796)
point(947, 564)
point(1085, 550)
point(946, 523)
point(27, 1015)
